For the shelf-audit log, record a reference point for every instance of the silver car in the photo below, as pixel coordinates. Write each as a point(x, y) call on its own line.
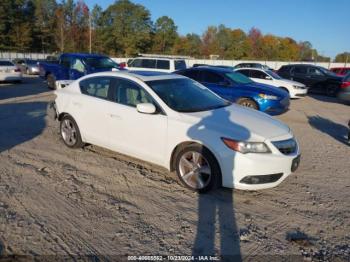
point(28, 66)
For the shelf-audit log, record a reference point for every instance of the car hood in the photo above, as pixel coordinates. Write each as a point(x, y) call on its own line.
point(237, 122)
point(266, 89)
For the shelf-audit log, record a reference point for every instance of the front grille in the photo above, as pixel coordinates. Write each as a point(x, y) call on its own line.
point(286, 147)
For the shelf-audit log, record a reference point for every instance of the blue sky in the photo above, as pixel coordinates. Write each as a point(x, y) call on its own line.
point(325, 23)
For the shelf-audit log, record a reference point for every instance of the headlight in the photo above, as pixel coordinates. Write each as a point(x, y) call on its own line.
point(298, 87)
point(246, 147)
point(269, 97)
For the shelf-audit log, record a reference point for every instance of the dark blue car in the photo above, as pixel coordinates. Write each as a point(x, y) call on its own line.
point(240, 89)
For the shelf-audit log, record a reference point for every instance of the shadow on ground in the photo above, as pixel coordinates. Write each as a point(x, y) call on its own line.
point(337, 131)
point(29, 86)
point(21, 122)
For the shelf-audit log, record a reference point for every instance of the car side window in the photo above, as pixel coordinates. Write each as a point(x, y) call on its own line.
point(130, 94)
point(163, 64)
point(136, 63)
point(211, 77)
point(300, 70)
point(148, 63)
point(180, 64)
point(258, 74)
point(244, 72)
point(78, 65)
point(65, 61)
point(315, 71)
point(97, 87)
point(193, 74)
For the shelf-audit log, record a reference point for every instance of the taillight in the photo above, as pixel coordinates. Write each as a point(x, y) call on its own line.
point(122, 65)
point(17, 70)
point(345, 84)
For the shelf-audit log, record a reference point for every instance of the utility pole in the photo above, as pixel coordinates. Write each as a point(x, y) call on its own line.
point(90, 33)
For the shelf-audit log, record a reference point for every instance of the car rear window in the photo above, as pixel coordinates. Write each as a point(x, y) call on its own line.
point(180, 64)
point(6, 63)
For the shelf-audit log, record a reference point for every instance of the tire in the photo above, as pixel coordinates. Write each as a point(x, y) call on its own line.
point(51, 81)
point(70, 133)
point(247, 102)
point(192, 159)
point(331, 90)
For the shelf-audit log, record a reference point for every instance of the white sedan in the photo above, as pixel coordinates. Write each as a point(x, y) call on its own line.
point(9, 72)
point(177, 123)
point(295, 89)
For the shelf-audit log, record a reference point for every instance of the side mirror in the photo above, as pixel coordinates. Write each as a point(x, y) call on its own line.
point(268, 77)
point(146, 108)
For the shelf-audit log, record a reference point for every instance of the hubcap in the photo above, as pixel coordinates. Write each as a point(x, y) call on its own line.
point(68, 132)
point(247, 104)
point(195, 170)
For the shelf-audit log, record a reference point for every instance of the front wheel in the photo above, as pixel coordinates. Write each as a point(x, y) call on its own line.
point(197, 169)
point(247, 102)
point(70, 132)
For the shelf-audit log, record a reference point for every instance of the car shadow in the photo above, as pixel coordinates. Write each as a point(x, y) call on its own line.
point(329, 99)
point(337, 131)
point(21, 122)
point(216, 209)
point(29, 86)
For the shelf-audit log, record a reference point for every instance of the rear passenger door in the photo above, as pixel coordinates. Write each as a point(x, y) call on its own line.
point(92, 109)
point(299, 74)
point(316, 79)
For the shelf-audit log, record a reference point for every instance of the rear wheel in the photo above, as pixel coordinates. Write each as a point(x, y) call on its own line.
point(70, 132)
point(248, 103)
point(331, 90)
point(197, 169)
point(51, 81)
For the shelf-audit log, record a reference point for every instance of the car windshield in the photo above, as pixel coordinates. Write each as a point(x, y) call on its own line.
point(6, 63)
point(273, 74)
point(239, 78)
point(100, 62)
point(186, 95)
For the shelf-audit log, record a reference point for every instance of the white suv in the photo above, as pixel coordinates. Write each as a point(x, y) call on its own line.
point(159, 64)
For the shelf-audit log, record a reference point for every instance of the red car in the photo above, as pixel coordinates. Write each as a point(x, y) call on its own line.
point(340, 71)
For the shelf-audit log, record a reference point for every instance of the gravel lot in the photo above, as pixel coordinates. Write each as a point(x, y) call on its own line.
point(73, 203)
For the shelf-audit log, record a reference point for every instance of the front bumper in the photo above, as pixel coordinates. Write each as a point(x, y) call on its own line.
point(257, 171)
point(274, 107)
point(298, 93)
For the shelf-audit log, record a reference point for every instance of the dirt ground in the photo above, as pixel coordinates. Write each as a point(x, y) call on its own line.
point(56, 201)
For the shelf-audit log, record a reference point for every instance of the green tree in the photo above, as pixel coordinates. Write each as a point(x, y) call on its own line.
point(342, 57)
point(165, 34)
point(127, 28)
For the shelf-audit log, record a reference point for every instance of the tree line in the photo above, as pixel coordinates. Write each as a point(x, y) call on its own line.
point(125, 29)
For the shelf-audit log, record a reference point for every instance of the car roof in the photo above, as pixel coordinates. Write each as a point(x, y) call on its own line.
point(83, 55)
point(211, 68)
point(142, 75)
point(251, 68)
point(158, 58)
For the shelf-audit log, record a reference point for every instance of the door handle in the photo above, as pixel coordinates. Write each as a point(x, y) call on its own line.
point(114, 116)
